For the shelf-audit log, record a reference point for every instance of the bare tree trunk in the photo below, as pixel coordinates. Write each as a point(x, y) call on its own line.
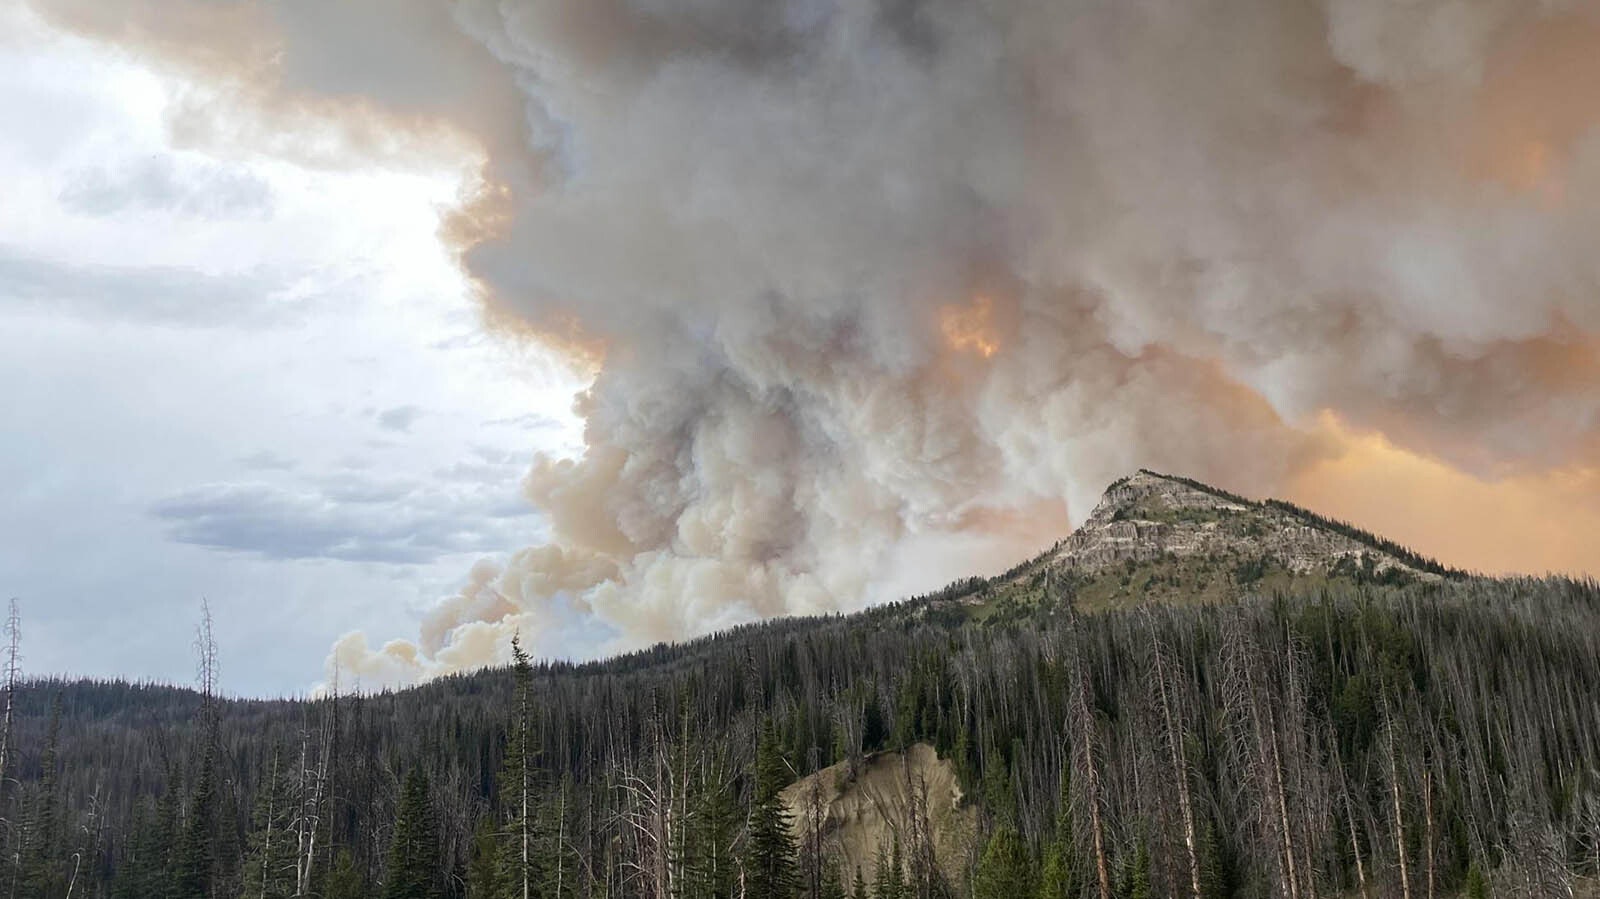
point(266, 852)
point(13, 669)
point(1090, 771)
point(1394, 791)
point(1180, 767)
point(1254, 739)
point(1276, 762)
point(1427, 808)
point(561, 838)
point(310, 816)
point(1350, 817)
point(522, 785)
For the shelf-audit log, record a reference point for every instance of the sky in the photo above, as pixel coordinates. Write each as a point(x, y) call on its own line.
point(237, 380)
point(393, 328)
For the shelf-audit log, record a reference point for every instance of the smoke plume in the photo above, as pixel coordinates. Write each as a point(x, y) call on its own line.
point(881, 292)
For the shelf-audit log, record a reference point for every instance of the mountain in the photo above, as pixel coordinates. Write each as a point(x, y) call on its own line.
point(1157, 538)
point(1149, 517)
point(1193, 687)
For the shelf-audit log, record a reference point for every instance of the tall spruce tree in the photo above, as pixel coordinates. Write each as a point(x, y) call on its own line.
point(1005, 871)
point(1061, 875)
point(416, 864)
point(269, 868)
point(519, 787)
point(890, 882)
point(832, 882)
point(710, 868)
point(1134, 879)
point(483, 863)
point(770, 854)
point(42, 871)
point(345, 880)
point(136, 876)
point(196, 853)
point(194, 867)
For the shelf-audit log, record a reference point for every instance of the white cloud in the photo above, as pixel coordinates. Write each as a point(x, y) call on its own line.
point(194, 351)
point(162, 183)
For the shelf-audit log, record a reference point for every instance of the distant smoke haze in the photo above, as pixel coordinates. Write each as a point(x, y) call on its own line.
point(881, 292)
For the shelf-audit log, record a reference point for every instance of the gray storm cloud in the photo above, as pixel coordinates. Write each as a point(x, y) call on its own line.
point(880, 292)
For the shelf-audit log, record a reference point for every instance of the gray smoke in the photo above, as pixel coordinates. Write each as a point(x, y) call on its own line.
point(881, 292)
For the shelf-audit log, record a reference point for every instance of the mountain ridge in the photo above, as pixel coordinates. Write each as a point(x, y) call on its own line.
point(1149, 514)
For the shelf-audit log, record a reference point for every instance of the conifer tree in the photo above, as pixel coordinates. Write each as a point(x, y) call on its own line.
point(1215, 866)
point(196, 853)
point(1134, 882)
point(1477, 887)
point(228, 877)
point(519, 854)
point(42, 873)
point(483, 863)
point(890, 882)
point(1004, 871)
point(832, 882)
point(195, 863)
point(136, 875)
point(344, 879)
point(710, 868)
point(269, 869)
point(553, 833)
point(415, 861)
point(770, 853)
point(1061, 874)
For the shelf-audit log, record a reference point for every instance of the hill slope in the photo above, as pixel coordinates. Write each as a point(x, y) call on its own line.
point(1301, 689)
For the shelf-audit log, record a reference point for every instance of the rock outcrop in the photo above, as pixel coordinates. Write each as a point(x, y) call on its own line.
point(859, 814)
point(1149, 516)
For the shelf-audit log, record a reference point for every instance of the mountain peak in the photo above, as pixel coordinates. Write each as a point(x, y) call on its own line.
point(1149, 517)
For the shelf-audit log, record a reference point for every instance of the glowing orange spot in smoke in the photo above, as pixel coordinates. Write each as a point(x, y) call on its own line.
point(970, 329)
point(1532, 165)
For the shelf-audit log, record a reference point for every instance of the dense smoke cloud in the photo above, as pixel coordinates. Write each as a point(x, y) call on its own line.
point(882, 291)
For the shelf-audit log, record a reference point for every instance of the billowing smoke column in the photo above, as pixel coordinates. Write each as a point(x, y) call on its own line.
point(880, 292)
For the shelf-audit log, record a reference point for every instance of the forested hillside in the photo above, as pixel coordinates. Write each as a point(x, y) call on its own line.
point(1338, 735)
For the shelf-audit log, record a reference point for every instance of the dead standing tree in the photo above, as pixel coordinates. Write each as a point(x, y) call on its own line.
point(1250, 708)
point(13, 672)
point(1173, 735)
point(1085, 760)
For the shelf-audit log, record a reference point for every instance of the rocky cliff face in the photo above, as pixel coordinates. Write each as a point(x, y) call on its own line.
point(860, 814)
point(1148, 516)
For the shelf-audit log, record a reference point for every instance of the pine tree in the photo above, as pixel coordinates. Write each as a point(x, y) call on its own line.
point(483, 864)
point(770, 862)
point(1004, 871)
point(559, 867)
point(147, 862)
point(194, 867)
point(344, 879)
point(1061, 875)
point(136, 876)
point(42, 875)
point(832, 882)
point(890, 882)
point(1216, 871)
point(859, 890)
point(230, 845)
point(269, 869)
point(710, 869)
point(415, 861)
point(1134, 882)
point(519, 854)
point(1477, 886)
point(196, 854)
